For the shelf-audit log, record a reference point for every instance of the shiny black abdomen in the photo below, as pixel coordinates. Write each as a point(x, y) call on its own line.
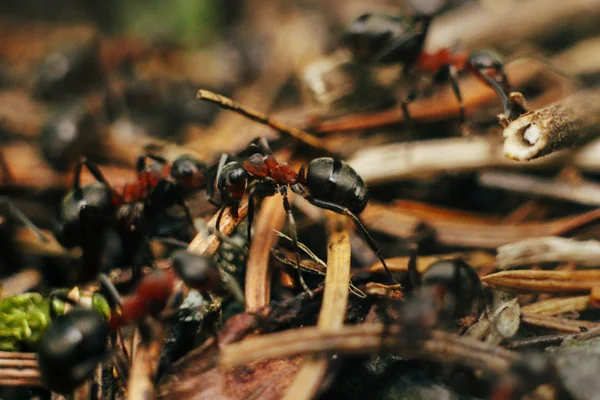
point(335, 181)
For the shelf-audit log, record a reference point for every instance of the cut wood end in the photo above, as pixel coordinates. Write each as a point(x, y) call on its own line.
point(524, 139)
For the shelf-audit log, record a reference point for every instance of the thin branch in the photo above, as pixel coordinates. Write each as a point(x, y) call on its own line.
point(584, 192)
point(19, 369)
point(366, 339)
point(549, 249)
point(20, 282)
point(333, 309)
point(476, 259)
point(464, 229)
point(565, 124)
point(145, 362)
point(254, 115)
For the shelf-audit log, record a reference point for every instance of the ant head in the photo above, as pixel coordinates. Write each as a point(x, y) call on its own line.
point(382, 38)
point(94, 195)
point(189, 172)
point(71, 349)
point(455, 285)
point(232, 181)
point(198, 272)
point(486, 59)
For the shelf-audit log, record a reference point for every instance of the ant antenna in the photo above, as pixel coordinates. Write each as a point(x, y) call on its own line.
point(23, 219)
point(259, 117)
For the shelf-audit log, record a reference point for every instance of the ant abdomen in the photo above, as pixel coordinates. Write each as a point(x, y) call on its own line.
point(335, 181)
point(71, 348)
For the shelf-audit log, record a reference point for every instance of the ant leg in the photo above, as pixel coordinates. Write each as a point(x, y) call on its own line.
point(250, 216)
point(12, 209)
point(414, 276)
point(453, 78)
point(110, 291)
point(345, 211)
point(218, 222)
point(92, 167)
point(186, 210)
point(294, 234)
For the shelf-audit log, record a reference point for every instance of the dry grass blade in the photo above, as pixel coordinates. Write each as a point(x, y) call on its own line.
point(366, 339)
point(333, 309)
point(271, 217)
point(229, 104)
point(563, 124)
point(557, 306)
point(543, 281)
point(559, 324)
point(549, 249)
point(463, 229)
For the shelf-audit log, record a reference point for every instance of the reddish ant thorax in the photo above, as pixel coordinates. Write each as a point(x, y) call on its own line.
point(257, 166)
point(284, 174)
point(150, 298)
point(432, 62)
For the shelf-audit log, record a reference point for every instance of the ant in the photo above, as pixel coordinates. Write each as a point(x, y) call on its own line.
point(89, 212)
point(325, 182)
point(76, 343)
point(447, 290)
point(378, 38)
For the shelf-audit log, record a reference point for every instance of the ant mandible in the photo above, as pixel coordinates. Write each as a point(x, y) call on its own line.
point(88, 211)
point(76, 343)
point(378, 38)
point(325, 182)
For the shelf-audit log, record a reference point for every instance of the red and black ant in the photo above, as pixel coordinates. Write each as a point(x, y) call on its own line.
point(378, 38)
point(76, 343)
point(98, 212)
point(325, 182)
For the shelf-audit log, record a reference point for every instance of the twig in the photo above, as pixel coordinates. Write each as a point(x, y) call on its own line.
point(557, 306)
point(559, 324)
point(463, 229)
point(543, 281)
point(587, 193)
point(258, 278)
point(34, 245)
point(145, 362)
point(566, 123)
point(366, 339)
point(229, 104)
point(19, 369)
point(20, 282)
point(549, 249)
point(333, 309)
point(208, 246)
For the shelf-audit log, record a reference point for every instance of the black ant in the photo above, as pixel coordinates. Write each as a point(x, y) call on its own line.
point(446, 291)
point(378, 38)
point(76, 343)
point(89, 213)
point(325, 182)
